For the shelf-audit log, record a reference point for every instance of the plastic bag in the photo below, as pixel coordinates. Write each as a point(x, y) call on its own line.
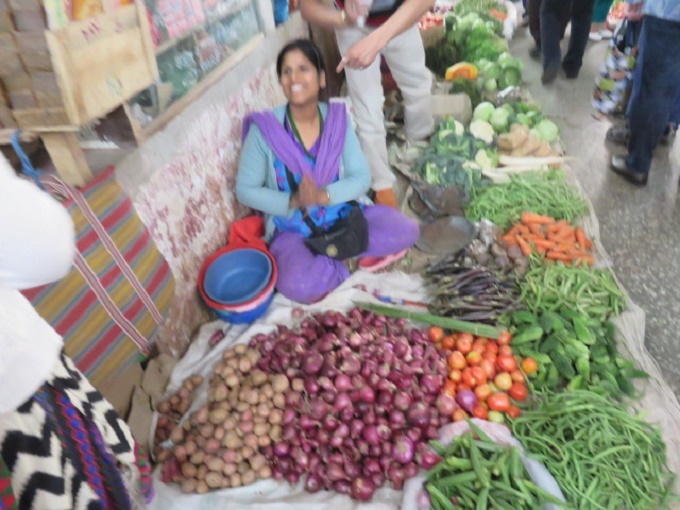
point(413, 500)
point(612, 85)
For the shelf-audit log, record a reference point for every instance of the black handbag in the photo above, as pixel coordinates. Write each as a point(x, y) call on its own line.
point(347, 238)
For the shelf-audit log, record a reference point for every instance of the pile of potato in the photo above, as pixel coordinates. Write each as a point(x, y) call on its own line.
point(219, 445)
point(172, 410)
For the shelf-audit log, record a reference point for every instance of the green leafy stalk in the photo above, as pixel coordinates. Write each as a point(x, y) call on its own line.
point(434, 320)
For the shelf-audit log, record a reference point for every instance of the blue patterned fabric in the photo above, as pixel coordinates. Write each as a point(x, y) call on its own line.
point(664, 9)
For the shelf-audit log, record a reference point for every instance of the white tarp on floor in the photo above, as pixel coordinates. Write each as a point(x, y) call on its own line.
point(659, 401)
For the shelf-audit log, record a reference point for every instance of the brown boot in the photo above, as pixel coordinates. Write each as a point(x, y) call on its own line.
point(386, 197)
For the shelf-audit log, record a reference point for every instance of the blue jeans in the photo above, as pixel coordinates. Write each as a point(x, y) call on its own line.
point(655, 99)
point(552, 11)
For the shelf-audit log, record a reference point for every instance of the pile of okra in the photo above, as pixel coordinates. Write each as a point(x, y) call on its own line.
point(478, 474)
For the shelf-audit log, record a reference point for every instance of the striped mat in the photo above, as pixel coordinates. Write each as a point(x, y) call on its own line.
point(111, 304)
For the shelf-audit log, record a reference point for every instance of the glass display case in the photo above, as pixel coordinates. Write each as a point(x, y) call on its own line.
point(194, 40)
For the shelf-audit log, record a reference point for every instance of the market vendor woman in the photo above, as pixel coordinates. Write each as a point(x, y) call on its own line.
point(303, 167)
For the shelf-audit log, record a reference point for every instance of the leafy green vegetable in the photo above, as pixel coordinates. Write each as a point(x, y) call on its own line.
point(463, 86)
point(547, 130)
point(500, 121)
point(447, 160)
point(511, 76)
point(441, 56)
point(490, 85)
point(483, 111)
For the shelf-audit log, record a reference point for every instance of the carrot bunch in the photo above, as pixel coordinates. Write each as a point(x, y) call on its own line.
point(556, 240)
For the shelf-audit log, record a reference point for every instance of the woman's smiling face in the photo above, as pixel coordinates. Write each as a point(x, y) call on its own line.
point(300, 80)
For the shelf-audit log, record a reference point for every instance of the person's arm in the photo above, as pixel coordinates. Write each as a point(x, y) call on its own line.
point(251, 180)
point(356, 179)
point(363, 53)
point(37, 242)
point(316, 12)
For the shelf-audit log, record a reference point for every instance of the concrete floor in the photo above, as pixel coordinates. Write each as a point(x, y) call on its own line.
point(639, 227)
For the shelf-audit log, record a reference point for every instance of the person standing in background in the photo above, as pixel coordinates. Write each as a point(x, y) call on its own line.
point(552, 11)
point(654, 107)
point(534, 15)
point(62, 445)
point(598, 27)
point(391, 31)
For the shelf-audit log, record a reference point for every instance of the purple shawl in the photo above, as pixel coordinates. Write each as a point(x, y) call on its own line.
point(330, 147)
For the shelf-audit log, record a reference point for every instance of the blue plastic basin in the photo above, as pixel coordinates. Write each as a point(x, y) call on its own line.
point(237, 276)
point(245, 317)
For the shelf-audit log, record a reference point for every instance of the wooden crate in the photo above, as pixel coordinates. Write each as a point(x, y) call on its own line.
point(69, 77)
point(52, 82)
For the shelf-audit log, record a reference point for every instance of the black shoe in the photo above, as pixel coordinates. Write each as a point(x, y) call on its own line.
point(620, 167)
point(620, 135)
point(535, 53)
point(571, 75)
point(549, 75)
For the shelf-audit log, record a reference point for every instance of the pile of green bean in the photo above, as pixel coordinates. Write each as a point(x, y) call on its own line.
point(478, 474)
point(555, 287)
point(541, 193)
point(602, 457)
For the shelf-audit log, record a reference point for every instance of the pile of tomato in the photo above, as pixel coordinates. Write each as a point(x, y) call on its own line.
point(489, 369)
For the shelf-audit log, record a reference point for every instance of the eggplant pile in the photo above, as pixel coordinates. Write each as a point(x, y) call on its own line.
point(477, 294)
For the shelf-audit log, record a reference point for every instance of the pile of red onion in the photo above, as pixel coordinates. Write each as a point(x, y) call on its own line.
point(365, 400)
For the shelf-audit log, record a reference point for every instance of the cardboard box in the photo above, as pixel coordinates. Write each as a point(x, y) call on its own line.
point(22, 99)
point(6, 119)
point(29, 20)
point(6, 21)
point(24, 4)
point(36, 61)
point(457, 106)
point(146, 395)
point(30, 41)
point(10, 64)
point(18, 81)
point(119, 389)
point(7, 43)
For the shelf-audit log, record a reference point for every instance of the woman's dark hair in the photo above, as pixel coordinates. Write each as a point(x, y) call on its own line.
point(308, 48)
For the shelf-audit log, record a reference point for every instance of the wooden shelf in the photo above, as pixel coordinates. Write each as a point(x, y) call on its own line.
point(6, 136)
point(171, 43)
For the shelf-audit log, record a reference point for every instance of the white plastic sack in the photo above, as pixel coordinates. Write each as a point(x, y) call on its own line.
point(510, 23)
point(501, 435)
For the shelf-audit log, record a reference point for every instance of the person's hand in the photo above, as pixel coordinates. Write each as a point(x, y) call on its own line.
point(633, 10)
point(353, 11)
point(309, 194)
point(363, 53)
point(294, 202)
